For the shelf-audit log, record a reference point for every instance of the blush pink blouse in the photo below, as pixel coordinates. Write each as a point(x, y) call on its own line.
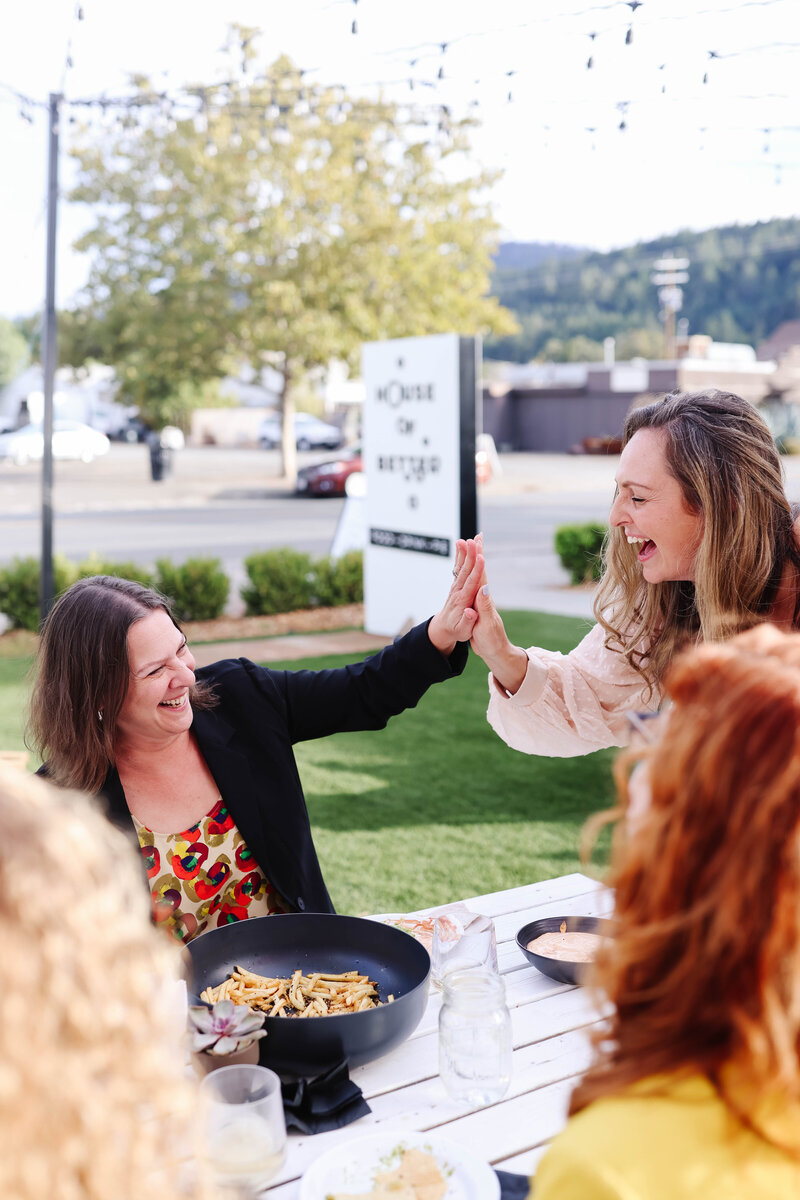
point(570, 704)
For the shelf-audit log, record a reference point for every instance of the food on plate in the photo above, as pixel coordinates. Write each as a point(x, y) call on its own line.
point(318, 995)
point(569, 947)
point(416, 1178)
point(421, 928)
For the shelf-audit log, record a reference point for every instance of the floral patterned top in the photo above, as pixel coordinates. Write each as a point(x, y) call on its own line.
point(204, 876)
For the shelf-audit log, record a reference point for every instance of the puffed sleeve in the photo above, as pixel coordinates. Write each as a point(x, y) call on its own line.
point(570, 704)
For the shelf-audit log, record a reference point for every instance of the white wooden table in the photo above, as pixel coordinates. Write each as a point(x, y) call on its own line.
point(549, 1022)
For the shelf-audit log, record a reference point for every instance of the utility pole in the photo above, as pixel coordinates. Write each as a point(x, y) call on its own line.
point(670, 274)
point(49, 360)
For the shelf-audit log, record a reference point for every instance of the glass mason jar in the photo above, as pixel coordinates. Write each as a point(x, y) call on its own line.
point(474, 1037)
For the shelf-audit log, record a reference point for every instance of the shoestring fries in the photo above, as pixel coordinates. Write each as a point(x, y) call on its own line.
point(317, 995)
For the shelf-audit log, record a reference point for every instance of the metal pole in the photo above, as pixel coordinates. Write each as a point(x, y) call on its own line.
point(49, 359)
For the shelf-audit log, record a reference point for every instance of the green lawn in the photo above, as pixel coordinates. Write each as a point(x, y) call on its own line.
point(434, 807)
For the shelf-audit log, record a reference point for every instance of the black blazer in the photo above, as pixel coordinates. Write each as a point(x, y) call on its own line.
point(247, 743)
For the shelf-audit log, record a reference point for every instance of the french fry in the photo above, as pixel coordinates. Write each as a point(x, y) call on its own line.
point(318, 994)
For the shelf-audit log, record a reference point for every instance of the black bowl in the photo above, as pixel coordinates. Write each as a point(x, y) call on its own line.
point(559, 969)
point(278, 945)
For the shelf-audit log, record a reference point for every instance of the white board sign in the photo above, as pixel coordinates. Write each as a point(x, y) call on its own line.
point(419, 460)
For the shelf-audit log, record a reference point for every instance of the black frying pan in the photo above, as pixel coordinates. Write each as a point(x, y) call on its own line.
point(278, 945)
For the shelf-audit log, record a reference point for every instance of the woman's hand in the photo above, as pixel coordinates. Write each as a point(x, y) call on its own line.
point(456, 618)
point(507, 662)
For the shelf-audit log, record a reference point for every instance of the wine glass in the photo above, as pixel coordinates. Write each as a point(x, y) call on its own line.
point(459, 948)
point(244, 1129)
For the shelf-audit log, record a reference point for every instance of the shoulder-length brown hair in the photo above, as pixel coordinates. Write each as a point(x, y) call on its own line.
point(724, 457)
point(82, 676)
point(704, 966)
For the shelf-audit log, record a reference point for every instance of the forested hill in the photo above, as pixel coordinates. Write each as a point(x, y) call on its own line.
point(743, 281)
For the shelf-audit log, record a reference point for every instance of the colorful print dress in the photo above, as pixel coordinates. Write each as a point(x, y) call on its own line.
point(204, 876)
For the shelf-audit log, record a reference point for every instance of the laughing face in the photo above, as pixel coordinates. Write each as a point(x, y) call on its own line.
point(157, 705)
point(651, 510)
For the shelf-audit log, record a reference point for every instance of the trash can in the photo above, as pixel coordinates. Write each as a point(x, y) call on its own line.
point(160, 458)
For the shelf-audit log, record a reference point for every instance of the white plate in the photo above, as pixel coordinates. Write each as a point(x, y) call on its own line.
point(352, 1166)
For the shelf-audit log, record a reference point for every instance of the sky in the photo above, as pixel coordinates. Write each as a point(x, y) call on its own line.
point(688, 116)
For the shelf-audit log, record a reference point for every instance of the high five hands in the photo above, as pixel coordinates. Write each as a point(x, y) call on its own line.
point(469, 612)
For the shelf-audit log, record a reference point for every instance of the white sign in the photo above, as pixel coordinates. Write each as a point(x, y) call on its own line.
point(419, 461)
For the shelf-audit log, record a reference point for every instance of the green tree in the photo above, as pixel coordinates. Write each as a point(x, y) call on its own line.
point(13, 351)
point(281, 222)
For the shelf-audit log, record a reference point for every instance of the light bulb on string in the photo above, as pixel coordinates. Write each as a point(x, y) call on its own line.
point(711, 54)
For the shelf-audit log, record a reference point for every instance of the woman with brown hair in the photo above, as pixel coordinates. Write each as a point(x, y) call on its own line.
point(198, 766)
point(702, 545)
point(695, 1086)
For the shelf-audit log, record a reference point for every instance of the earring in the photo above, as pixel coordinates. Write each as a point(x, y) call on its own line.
point(100, 714)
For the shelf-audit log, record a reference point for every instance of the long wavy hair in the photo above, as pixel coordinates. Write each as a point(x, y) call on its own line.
point(94, 1097)
point(724, 457)
point(82, 675)
point(704, 966)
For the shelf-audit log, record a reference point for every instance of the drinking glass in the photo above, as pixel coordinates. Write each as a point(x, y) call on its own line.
point(458, 949)
point(244, 1128)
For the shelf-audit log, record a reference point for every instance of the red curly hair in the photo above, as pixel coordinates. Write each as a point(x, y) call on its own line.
point(704, 968)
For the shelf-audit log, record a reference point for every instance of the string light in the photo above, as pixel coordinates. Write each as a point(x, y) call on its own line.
point(178, 98)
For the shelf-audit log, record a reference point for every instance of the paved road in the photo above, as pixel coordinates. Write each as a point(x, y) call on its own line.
point(227, 503)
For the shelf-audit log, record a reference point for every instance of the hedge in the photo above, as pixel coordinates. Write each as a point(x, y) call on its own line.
point(280, 581)
point(580, 548)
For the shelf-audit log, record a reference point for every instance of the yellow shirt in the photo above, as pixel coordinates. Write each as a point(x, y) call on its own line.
point(681, 1144)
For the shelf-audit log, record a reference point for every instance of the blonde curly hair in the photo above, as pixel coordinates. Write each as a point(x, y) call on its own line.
point(95, 1100)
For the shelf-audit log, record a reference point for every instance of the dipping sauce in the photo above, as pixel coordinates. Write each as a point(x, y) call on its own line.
point(569, 947)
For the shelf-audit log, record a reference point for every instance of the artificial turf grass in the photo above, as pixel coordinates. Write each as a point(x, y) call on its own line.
point(436, 807)
point(14, 691)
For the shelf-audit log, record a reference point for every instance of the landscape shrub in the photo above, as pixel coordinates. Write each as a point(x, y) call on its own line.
point(19, 589)
point(94, 565)
point(339, 580)
point(280, 581)
point(580, 549)
point(198, 588)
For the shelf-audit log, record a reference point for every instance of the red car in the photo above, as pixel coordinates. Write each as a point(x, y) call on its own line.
point(327, 478)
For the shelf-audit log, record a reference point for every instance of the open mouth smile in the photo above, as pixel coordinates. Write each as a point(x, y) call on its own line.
point(647, 547)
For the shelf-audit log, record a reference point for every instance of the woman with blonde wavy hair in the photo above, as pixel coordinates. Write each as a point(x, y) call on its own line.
point(695, 1086)
point(702, 544)
point(94, 1099)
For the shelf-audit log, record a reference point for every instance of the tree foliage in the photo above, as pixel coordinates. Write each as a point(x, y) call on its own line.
point(743, 282)
point(277, 222)
point(13, 351)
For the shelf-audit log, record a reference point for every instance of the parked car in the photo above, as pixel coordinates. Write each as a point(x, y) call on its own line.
point(134, 430)
point(328, 478)
point(71, 439)
point(309, 433)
